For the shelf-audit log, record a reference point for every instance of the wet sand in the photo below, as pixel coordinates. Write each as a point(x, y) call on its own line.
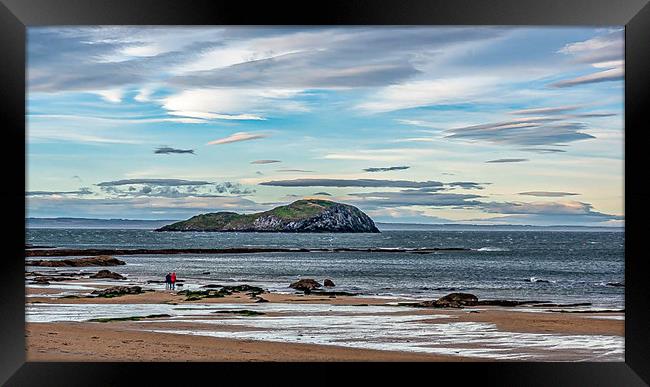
point(135, 341)
point(119, 342)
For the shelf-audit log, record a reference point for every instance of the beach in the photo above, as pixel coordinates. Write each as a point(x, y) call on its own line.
point(519, 296)
point(66, 324)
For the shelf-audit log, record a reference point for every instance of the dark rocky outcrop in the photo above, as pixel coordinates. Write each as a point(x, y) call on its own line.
point(301, 216)
point(328, 283)
point(107, 274)
point(116, 291)
point(196, 295)
point(459, 300)
point(455, 300)
point(100, 260)
point(235, 288)
point(218, 291)
point(306, 285)
point(46, 279)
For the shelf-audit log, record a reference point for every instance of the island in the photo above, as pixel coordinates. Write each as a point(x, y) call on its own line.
point(308, 216)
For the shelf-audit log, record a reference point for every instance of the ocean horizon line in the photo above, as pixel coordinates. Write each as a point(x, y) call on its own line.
point(74, 222)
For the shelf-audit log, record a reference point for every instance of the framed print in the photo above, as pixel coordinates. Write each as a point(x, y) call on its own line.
point(382, 187)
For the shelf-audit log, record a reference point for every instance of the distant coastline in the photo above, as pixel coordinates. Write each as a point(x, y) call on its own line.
point(145, 224)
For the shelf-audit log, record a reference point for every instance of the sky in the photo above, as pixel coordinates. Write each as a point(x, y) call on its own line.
point(473, 125)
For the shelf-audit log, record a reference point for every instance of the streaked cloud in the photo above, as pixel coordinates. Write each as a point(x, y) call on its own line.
point(379, 155)
point(550, 194)
point(80, 191)
point(171, 188)
point(157, 182)
point(168, 150)
point(602, 52)
point(544, 111)
point(386, 169)
point(138, 207)
point(615, 74)
point(413, 198)
point(543, 150)
point(507, 161)
point(237, 137)
point(525, 131)
point(467, 185)
point(545, 208)
point(420, 93)
point(351, 183)
point(265, 161)
point(216, 116)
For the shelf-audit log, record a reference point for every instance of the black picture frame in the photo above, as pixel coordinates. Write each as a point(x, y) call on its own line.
point(17, 15)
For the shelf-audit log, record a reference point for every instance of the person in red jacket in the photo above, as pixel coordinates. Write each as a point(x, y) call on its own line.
point(173, 280)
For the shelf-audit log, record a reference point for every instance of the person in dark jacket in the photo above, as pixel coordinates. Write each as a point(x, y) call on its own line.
point(168, 281)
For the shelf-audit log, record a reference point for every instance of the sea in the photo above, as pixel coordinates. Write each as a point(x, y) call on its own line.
point(555, 266)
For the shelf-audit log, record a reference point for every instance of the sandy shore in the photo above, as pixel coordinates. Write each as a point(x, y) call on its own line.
point(218, 329)
point(119, 342)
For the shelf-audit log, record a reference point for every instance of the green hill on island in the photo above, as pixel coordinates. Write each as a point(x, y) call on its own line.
point(310, 215)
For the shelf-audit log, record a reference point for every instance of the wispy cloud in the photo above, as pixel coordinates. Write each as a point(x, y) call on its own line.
point(413, 198)
point(237, 137)
point(143, 207)
point(545, 208)
point(379, 155)
point(467, 185)
point(216, 116)
point(605, 51)
point(507, 161)
point(550, 194)
point(543, 150)
point(111, 95)
point(265, 161)
point(421, 123)
point(615, 74)
point(546, 110)
point(171, 188)
point(524, 131)
point(419, 93)
point(168, 150)
point(159, 182)
point(351, 183)
point(386, 169)
point(80, 191)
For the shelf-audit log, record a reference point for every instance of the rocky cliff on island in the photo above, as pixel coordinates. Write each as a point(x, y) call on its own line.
point(301, 216)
